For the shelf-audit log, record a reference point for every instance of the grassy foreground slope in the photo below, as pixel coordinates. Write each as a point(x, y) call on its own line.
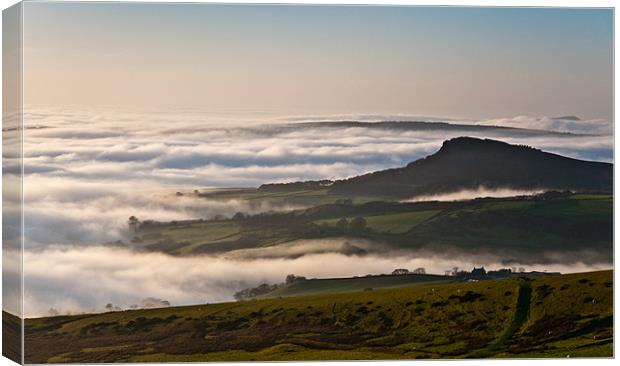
point(550, 316)
point(369, 283)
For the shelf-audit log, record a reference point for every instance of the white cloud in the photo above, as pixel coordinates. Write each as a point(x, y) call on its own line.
point(86, 172)
point(595, 126)
point(480, 192)
point(79, 279)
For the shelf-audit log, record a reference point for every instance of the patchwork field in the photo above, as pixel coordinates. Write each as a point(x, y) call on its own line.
point(390, 223)
point(185, 238)
point(518, 227)
point(550, 316)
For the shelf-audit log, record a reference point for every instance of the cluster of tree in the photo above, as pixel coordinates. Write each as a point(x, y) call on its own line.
point(136, 224)
point(133, 223)
point(481, 273)
point(148, 303)
point(299, 225)
point(111, 307)
point(295, 186)
point(239, 216)
point(252, 292)
point(151, 302)
point(290, 279)
point(357, 224)
point(404, 271)
point(266, 288)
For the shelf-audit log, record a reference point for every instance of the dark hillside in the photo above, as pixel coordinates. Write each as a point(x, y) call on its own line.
point(471, 163)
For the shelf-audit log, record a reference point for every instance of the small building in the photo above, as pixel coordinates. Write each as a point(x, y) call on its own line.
point(478, 272)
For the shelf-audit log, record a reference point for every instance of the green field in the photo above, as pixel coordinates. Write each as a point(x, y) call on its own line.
point(520, 228)
point(395, 223)
point(565, 224)
point(186, 238)
point(369, 283)
point(550, 316)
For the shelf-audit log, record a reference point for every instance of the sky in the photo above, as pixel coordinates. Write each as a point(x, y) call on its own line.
point(459, 62)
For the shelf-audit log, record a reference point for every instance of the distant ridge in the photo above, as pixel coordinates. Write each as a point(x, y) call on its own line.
point(427, 126)
point(471, 163)
point(568, 118)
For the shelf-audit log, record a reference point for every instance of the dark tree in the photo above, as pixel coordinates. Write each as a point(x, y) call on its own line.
point(292, 279)
point(358, 224)
point(400, 272)
point(133, 222)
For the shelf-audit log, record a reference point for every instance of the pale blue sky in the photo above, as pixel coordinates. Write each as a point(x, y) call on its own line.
point(459, 62)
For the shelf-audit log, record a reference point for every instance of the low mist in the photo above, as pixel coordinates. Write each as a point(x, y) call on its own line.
point(480, 192)
point(86, 279)
point(62, 212)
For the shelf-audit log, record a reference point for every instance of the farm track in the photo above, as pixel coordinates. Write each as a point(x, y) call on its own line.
point(521, 315)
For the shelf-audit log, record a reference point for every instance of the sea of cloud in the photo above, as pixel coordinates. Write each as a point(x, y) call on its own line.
point(86, 172)
point(73, 279)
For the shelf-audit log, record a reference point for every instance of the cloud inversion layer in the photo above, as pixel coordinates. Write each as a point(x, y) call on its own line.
point(86, 173)
point(64, 277)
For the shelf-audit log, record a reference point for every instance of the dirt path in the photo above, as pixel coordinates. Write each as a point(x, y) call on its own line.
point(522, 311)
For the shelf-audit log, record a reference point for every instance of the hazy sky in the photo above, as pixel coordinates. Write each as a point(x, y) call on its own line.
point(462, 62)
